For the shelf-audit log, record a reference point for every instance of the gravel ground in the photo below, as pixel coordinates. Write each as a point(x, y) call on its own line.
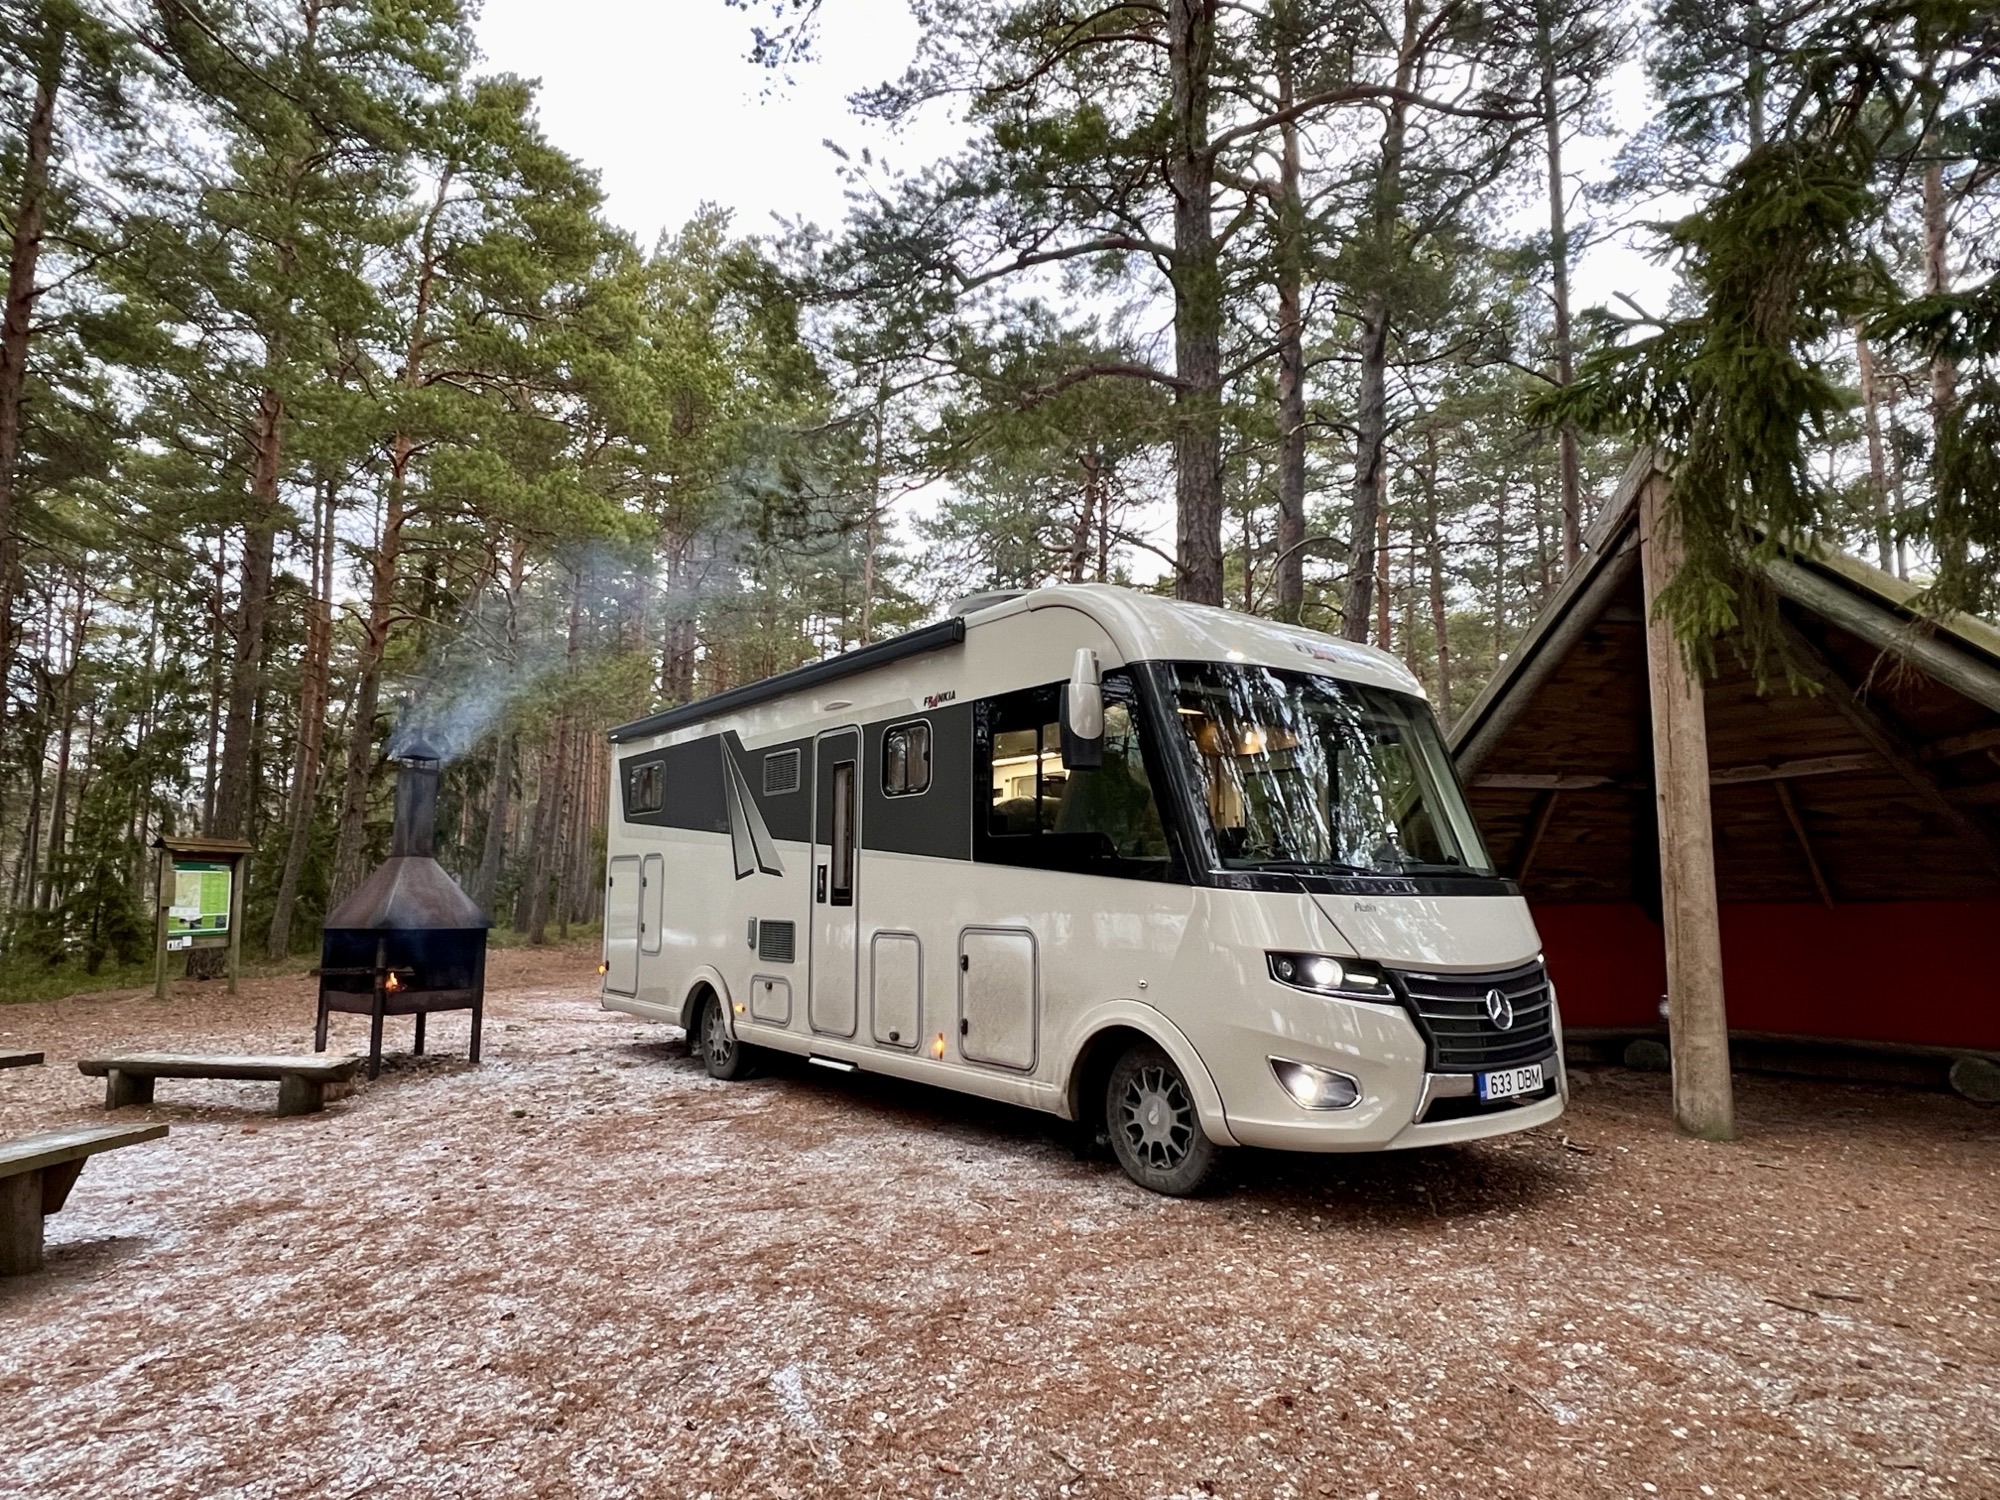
point(586, 1269)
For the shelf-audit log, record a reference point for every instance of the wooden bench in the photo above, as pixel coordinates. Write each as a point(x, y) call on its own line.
point(301, 1081)
point(36, 1174)
point(20, 1059)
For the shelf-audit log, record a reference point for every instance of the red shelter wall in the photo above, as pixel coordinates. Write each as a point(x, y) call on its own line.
point(1916, 972)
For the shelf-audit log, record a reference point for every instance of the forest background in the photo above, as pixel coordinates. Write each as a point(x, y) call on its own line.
point(334, 410)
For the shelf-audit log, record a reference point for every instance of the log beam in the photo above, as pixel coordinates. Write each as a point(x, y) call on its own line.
point(1887, 631)
point(1697, 1016)
point(1538, 824)
point(1890, 743)
point(1791, 807)
point(1549, 655)
point(1956, 745)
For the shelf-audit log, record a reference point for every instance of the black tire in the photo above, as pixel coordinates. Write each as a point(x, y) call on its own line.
point(722, 1054)
point(1155, 1131)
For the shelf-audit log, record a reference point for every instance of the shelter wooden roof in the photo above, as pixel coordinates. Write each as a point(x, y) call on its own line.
point(1883, 785)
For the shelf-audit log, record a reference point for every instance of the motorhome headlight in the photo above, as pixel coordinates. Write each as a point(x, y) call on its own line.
point(1316, 1088)
point(1351, 978)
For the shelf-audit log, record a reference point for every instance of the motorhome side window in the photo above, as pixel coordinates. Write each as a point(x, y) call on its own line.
point(1041, 813)
point(646, 788)
point(906, 759)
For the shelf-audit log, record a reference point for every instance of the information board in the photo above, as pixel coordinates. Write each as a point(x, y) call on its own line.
point(200, 905)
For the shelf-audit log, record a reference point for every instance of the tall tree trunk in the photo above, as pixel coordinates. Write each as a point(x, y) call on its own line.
point(315, 690)
point(1291, 566)
point(1382, 568)
point(1570, 461)
point(350, 843)
point(1091, 461)
point(871, 536)
point(1371, 415)
point(1104, 536)
point(350, 846)
point(493, 851)
point(1197, 283)
point(48, 898)
point(544, 858)
point(1878, 463)
point(1755, 72)
point(1500, 569)
point(253, 607)
point(17, 322)
point(1937, 281)
point(1434, 549)
point(678, 651)
point(218, 630)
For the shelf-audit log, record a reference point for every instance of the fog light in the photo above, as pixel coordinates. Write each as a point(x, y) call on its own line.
point(1316, 1088)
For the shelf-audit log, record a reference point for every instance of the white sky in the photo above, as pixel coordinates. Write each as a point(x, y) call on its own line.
point(658, 97)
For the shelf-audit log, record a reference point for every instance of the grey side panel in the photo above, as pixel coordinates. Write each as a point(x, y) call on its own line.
point(787, 814)
point(937, 822)
point(694, 790)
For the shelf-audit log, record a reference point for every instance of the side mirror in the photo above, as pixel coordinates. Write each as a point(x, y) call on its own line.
point(1083, 715)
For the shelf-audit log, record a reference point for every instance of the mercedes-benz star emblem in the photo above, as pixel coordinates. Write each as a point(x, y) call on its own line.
point(1500, 1009)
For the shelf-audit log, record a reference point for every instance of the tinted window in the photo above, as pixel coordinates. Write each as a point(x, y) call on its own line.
point(646, 790)
point(906, 760)
point(1039, 812)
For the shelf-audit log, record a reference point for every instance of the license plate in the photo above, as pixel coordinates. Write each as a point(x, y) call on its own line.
point(1509, 1082)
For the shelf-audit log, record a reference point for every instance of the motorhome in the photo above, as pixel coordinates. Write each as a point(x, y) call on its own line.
point(1189, 877)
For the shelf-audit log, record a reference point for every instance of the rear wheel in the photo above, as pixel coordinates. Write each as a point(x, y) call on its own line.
point(1154, 1128)
point(722, 1054)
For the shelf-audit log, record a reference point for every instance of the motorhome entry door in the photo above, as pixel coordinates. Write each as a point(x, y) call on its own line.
point(621, 926)
point(836, 869)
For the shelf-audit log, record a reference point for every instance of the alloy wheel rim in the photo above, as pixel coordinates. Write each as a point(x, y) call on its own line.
point(720, 1044)
point(1157, 1118)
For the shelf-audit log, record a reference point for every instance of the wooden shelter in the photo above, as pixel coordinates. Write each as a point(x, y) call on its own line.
point(1827, 861)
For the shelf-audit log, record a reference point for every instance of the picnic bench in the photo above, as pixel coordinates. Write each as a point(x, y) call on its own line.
point(301, 1081)
point(20, 1059)
point(36, 1174)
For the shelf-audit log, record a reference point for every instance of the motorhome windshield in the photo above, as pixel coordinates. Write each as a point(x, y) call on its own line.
point(1316, 775)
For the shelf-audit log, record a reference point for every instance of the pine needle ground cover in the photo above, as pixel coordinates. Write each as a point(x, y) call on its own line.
point(587, 1269)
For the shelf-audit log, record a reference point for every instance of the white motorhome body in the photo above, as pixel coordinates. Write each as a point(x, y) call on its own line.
point(1247, 897)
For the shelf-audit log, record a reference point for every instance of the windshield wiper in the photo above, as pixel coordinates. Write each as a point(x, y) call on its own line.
point(1311, 866)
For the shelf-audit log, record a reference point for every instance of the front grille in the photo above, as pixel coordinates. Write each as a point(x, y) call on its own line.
point(776, 941)
point(1458, 1027)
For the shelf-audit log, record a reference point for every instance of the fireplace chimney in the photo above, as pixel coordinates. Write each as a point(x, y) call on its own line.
point(408, 941)
point(415, 829)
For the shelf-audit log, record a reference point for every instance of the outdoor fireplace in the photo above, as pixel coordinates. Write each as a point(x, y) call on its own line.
point(408, 941)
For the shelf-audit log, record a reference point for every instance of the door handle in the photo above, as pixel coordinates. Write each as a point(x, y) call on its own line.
point(819, 886)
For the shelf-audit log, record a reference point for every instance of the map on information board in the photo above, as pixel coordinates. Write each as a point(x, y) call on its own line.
point(201, 897)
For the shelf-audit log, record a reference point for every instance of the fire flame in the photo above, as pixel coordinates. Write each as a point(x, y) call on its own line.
point(393, 983)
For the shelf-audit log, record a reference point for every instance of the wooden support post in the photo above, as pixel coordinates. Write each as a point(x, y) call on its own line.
point(20, 1223)
point(164, 894)
point(300, 1095)
point(239, 873)
point(1697, 1018)
point(1791, 807)
point(122, 1089)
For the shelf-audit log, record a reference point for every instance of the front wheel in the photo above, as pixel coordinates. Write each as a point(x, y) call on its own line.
point(1154, 1128)
point(722, 1054)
